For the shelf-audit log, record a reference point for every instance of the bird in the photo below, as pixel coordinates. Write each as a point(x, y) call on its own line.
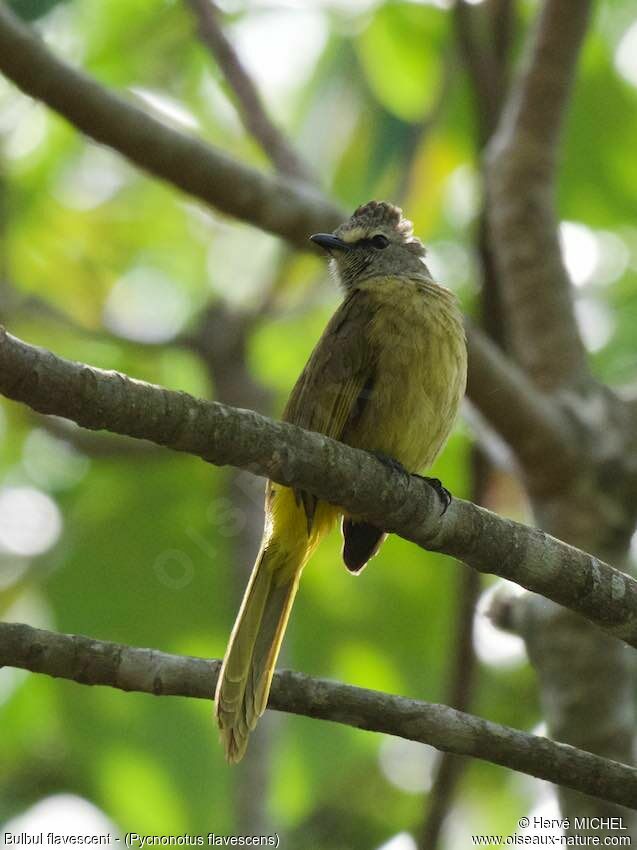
point(388, 376)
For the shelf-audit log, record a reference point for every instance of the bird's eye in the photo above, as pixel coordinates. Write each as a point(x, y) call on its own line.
point(379, 241)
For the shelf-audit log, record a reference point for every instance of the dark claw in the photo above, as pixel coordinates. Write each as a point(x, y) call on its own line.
point(443, 494)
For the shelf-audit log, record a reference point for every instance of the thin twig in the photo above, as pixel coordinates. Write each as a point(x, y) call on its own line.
point(246, 95)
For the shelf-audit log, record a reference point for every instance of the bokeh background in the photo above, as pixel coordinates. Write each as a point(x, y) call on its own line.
point(134, 544)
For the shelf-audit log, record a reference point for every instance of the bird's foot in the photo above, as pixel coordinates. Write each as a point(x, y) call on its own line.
point(391, 463)
point(443, 494)
point(396, 466)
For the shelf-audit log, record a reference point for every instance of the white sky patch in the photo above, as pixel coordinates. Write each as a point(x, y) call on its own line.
point(455, 829)
point(248, 253)
point(449, 263)
point(29, 130)
point(401, 841)
point(461, 199)
point(280, 47)
point(613, 259)
point(61, 33)
point(626, 54)
point(548, 809)
point(147, 306)
point(595, 257)
point(166, 107)
point(30, 521)
point(494, 646)
point(63, 814)
point(580, 251)
point(13, 106)
point(10, 680)
point(233, 6)
point(440, 4)
point(408, 765)
point(596, 322)
point(92, 179)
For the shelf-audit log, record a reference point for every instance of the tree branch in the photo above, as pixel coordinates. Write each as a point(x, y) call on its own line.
point(351, 478)
point(280, 205)
point(520, 180)
point(534, 426)
point(94, 662)
point(248, 100)
point(481, 65)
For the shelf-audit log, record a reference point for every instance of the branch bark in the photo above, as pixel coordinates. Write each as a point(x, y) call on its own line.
point(94, 662)
point(521, 164)
point(278, 204)
point(353, 479)
point(482, 67)
point(533, 425)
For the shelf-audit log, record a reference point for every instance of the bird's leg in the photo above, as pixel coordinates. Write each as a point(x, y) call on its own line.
point(443, 494)
point(391, 463)
point(441, 491)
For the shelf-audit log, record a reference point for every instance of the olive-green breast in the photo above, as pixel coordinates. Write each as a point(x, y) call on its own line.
point(417, 338)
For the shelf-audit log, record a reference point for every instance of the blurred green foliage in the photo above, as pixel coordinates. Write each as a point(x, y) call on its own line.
point(115, 266)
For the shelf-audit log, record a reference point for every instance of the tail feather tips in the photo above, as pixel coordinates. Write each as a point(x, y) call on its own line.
point(246, 673)
point(361, 541)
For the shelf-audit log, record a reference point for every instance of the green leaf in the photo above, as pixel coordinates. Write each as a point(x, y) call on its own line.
point(401, 56)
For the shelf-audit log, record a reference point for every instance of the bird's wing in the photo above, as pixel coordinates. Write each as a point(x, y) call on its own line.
point(338, 379)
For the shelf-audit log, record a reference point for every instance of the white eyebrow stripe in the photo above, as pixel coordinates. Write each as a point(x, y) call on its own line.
point(354, 234)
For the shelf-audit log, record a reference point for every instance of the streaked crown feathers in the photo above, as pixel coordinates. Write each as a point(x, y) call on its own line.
point(380, 217)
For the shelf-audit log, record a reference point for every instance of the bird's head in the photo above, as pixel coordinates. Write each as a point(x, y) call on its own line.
point(375, 241)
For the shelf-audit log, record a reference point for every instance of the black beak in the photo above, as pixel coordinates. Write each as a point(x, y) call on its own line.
point(329, 242)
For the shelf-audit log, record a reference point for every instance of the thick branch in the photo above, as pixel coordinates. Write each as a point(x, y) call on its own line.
point(94, 662)
point(520, 180)
point(280, 205)
point(353, 479)
point(247, 98)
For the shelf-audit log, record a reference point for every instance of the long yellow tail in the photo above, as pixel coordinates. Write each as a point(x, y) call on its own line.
point(246, 673)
